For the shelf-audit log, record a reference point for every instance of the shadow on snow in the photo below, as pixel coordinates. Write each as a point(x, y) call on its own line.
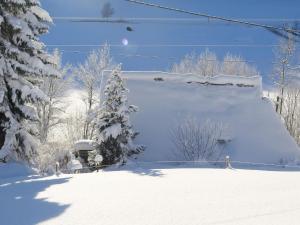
point(19, 204)
point(154, 169)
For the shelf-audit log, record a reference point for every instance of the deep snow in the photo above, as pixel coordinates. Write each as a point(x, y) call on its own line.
point(155, 196)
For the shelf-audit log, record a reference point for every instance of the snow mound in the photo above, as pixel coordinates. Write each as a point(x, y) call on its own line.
point(256, 131)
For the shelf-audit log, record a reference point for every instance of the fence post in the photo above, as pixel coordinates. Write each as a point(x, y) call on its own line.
point(227, 162)
point(57, 168)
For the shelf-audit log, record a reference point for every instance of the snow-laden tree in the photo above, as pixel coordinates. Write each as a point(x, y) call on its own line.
point(291, 111)
point(283, 68)
point(186, 65)
point(90, 74)
point(23, 64)
point(236, 65)
point(114, 131)
point(50, 112)
point(207, 64)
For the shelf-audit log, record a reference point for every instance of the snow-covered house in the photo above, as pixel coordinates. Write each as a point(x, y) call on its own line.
point(256, 131)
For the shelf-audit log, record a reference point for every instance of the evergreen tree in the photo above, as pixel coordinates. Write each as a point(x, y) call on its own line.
point(115, 133)
point(23, 64)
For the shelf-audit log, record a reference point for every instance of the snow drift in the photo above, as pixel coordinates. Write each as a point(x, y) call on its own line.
point(256, 131)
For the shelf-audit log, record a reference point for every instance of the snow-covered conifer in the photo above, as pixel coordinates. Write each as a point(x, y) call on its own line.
point(23, 63)
point(115, 132)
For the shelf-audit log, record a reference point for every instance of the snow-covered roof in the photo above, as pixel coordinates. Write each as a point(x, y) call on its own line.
point(85, 145)
point(256, 131)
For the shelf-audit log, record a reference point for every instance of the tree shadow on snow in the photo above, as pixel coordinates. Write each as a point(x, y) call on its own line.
point(155, 169)
point(138, 169)
point(275, 168)
point(19, 205)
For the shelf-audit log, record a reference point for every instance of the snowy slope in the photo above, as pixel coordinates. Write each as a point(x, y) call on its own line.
point(257, 133)
point(178, 196)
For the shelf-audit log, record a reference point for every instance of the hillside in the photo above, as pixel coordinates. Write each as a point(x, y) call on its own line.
point(255, 130)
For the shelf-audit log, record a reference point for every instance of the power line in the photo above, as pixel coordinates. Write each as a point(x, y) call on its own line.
point(168, 45)
point(277, 30)
point(163, 19)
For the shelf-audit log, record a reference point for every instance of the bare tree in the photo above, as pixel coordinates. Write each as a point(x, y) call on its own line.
point(207, 65)
point(90, 74)
point(186, 65)
point(50, 113)
point(282, 70)
point(107, 10)
point(50, 154)
point(198, 141)
point(236, 65)
point(291, 111)
point(74, 127)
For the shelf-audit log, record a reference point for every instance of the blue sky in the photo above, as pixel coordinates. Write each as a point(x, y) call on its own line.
point(67, 33)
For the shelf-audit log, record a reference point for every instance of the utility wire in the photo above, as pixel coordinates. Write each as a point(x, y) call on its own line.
point(162, 19)
point(168, 45)
point(277, 30)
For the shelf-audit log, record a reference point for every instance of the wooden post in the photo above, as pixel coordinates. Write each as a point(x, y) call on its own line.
point(57, 168)
point(277, 104)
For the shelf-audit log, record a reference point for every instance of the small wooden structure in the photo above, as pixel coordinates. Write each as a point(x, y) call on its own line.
point(83, 147)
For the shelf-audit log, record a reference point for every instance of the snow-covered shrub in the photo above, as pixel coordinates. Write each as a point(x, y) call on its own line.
point(49, 155)
point(74, 165)
point(115, 134)
point(95, 159)
point(198, 141)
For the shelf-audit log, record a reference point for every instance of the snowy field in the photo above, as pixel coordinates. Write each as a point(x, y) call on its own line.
point(154, 196)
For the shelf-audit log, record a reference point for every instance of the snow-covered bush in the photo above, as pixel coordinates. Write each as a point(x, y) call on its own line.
point(74, 166)
point(198, 141)
point(115, 134)
point(23, 64)
point(49, 155)
point(95, 159)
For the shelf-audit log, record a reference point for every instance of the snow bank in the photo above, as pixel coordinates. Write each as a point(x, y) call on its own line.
point(258, 135)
